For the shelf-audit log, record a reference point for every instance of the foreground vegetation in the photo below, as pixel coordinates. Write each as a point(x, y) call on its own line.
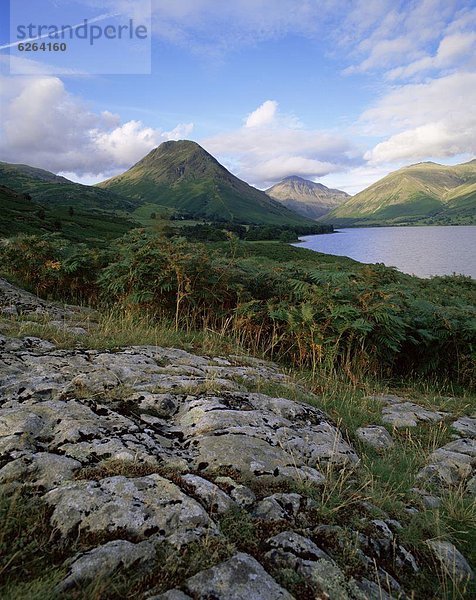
point(342, 329)
point(299, 307)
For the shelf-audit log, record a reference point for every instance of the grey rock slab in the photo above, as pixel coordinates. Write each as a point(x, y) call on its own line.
point(374, 591)
point(462, 446)
point(466, 427)
point(143, 506)
point(471, 486)
point(239, 578)
point(67, 327)
point(278, 507)
point(330, 580)
point(104, 560)
point(376, 436)
point(208, 494)
point(450, 465)
point(240, 493)
point(451, 560)
point(405, 559)
point(409, 414)
point(52, 423)
point(429, 501)
point(262, 436)
point(42, 470)
point(170, 595)
point(303, 474)
point(382, 529)
point(27, 303)
point(161, 405)
point(138, 448)
point(248, 455)
point(386, 398)
point(300, 546)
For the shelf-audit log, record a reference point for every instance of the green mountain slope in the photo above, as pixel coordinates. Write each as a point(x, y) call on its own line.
point(51, 190)
point(421, 193)
point(20, 214)
point(183, 176)
point(310, 199)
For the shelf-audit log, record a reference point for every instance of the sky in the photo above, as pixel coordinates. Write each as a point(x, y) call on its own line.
point(341, 92)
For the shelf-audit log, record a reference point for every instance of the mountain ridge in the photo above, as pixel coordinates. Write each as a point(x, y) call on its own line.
point(184, 176)
point(54, 190)
point(425, 193)
point(34, 201)
point(309, 198)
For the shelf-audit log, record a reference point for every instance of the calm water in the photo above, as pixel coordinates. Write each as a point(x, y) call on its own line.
point(422, 251)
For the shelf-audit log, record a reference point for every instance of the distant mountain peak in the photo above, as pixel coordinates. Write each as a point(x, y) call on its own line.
point(295, 178)
point(306, 197)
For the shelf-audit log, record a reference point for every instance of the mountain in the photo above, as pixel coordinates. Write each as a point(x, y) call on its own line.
point(183, 176)
point(423, 193)
point(312, 200)
point(52, 190)
point(17, 212)
point(21, 212)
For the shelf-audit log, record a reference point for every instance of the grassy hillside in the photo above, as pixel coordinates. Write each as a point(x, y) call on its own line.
point(183, 176)
point(49, 189)
point(421, 193)
point(19, 214)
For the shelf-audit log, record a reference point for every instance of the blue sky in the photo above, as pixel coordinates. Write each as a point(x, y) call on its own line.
point(340, 92)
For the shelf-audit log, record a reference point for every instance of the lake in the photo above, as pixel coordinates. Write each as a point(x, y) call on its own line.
point(422, 251)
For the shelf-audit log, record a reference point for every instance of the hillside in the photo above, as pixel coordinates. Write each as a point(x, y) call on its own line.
point(310, 199)
point(183, 176)
point(421, 193)
point(51, 190)
point(20, 214)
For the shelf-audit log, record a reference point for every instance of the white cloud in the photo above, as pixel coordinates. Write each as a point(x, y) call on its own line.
point(435, 119)
point(356, 179)
point(385, 34)
point(383, 53)
point(45, 126)
point(277, 168)
point(263, 115)
point(272, 145)
point(127, 143)
point(452, 50)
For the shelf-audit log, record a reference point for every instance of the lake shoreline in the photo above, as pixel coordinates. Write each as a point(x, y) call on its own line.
point(434, 251)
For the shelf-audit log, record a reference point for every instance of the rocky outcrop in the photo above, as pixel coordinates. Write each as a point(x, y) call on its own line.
point(15, 301)
point(78, 427)
point(147, 450)
point(375, 436)
point(400, 412)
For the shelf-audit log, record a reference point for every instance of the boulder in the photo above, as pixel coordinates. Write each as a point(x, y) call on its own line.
point(239, 578)
point(142, 506)
point(409, 414)
point(103, 561)
point(451, 559)
point(375, 436)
